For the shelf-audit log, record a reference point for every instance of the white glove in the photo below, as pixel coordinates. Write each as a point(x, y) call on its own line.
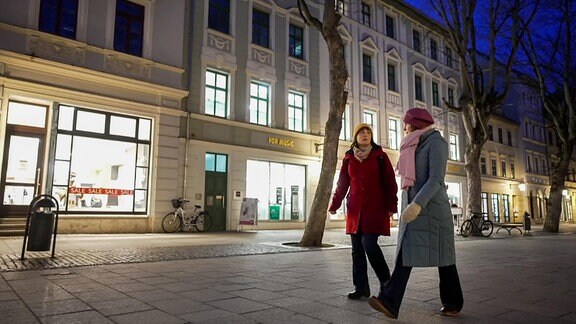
point(411, 212)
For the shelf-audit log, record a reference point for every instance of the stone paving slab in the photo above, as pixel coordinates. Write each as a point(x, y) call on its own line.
point(512, 280)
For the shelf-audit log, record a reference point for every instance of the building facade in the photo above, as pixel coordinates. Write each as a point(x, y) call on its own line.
point(91, 96)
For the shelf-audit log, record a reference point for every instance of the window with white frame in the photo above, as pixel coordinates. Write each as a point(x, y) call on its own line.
point(296, 109)
point(449, 59)
point(260, 103)
point(435, 94)
point(129, 27)
point(493, 167)
point(503, 167)
point(371, 118)
point(216, 96)
point(296, 42)
point(418, 91)
point(393, 133)
point(433, 49)
point(483, 165)
point(367, 68)
point(260, 28)
point(59, 17)
point(390, 26)
point(219, 15)
point(392, 81)
point(451, 96)
point(512, 170)
point(453, 139)
point(416, 41)
point(341, 7)
point(345, 131)
point(366, 14)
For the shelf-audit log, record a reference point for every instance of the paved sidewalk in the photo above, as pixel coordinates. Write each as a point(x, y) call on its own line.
point(506, 279)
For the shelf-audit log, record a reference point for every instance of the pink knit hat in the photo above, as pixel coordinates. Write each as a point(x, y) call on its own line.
point(418, 117)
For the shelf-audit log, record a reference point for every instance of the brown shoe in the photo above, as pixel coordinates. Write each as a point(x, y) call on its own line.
point(446, 311)
point(379, 305)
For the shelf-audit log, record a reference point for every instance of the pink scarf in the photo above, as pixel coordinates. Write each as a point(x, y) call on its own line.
point(406, 162)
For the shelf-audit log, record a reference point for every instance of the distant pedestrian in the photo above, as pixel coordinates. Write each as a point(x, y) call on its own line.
point(426, 231)
point(368, 177)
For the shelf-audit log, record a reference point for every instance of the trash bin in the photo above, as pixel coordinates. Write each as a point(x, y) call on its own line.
point(41, 224)
point(527, 223)
point(41, 229)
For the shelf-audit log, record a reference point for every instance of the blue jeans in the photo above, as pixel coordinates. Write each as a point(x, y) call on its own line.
point(367, 245)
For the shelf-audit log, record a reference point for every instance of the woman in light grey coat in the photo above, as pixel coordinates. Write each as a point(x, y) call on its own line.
point(426, 232)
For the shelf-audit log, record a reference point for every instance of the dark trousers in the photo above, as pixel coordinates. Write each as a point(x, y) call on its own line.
point(367, 245)
point(450, 289)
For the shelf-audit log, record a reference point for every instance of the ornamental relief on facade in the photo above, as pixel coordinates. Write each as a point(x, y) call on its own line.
point(297, 68)
point(56, 49)
point(117, 64)
point(261, 56)
point(220, 43)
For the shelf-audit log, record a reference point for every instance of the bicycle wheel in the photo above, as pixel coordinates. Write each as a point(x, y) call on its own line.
point(466, 228)
point(171, 223)
point(487, 228)
point(203, 222)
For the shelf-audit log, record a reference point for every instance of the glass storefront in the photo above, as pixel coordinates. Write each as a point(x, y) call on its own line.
point(101, 161)
point(279, 188)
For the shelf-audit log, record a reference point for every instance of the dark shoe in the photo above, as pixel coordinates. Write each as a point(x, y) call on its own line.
point(447, 311)
point(379, 305)
point(356, 294)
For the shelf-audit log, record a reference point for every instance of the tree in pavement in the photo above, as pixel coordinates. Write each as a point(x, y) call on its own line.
point(551, 56)
point(328, 27)
point(476, 34)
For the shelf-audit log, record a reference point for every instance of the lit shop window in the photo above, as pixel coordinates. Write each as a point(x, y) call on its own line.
point(101, 162)
point(279, 188)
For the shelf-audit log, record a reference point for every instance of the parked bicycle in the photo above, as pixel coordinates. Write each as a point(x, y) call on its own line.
point(178, 219)
point(477, 224)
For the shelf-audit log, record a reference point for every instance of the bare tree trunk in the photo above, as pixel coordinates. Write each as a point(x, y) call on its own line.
point(316, 223)
point(554, 204)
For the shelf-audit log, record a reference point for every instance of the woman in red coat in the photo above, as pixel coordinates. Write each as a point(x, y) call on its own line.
point(368, 178)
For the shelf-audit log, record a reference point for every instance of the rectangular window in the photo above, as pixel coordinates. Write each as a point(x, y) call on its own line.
point(103, 171)
point(503, 167)
point(341, 7)
point(506, 206)
point(484, 199)
point(296, 42)
point(260, 28)
point(435, 95)
point(451, 96)
point(59, 17)
point(493, 167)
point(295, 111)
point(500, 137)
point(366, 14)
point(528, 163)
point(129, 28)
point(483, 165)
point(392, 78)
point(216, 101)
point(416, 41)
point(219, 15)
point(260, 103)
point(345, 131)
point(512, 170)
point(453, 147)
point(449, 59)
point(214, 162)
point(367, 68)
point(490, 133)
point(369, 118)
point(393, 133)
point(280, 189)
point(509, 138)
point(495, 206)
point(433, 49)
point(418, 94)
point(389, 26)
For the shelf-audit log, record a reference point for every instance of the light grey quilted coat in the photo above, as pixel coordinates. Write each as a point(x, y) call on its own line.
point(428, 241)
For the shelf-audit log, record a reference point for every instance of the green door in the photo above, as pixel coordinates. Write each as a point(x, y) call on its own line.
point(215, 189)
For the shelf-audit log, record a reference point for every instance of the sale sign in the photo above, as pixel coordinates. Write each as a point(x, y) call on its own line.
point(100, 191)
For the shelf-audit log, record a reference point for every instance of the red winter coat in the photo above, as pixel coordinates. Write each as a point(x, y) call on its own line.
point(372, 196)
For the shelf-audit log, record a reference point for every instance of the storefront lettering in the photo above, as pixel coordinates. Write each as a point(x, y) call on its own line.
point(100, 191)
point(280, 141)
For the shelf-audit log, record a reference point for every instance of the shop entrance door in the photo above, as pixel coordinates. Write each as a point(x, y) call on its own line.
point(215, 189)
point(23, 157)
